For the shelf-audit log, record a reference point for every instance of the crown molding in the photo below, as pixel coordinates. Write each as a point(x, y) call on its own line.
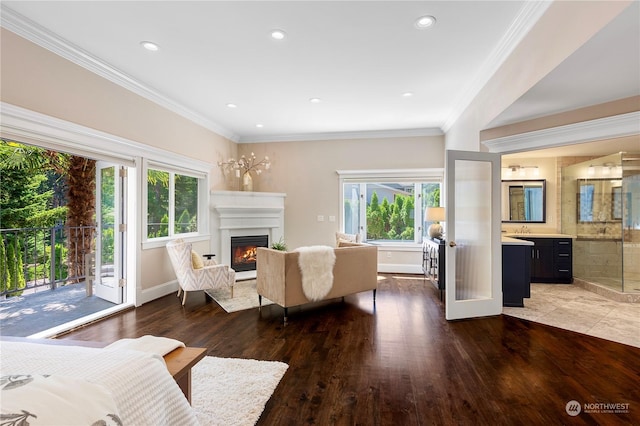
point(587, 131)
point(526, 19)
point(373, 134)
point(28, 126)
point(46, 39)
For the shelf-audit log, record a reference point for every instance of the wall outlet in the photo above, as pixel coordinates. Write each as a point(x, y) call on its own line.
point(320, 218)
point(332, 218)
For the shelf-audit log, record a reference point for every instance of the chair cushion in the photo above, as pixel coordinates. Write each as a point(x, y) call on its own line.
point(196, 260)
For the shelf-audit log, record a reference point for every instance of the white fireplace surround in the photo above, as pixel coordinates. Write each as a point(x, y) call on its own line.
point(238, 213)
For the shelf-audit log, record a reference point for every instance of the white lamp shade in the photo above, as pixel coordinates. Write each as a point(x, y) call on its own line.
point(435, 214)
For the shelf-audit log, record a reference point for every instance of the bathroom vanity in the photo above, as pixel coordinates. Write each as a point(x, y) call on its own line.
point(551, 257)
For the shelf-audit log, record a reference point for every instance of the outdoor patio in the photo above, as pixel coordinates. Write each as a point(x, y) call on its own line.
point(28, 314)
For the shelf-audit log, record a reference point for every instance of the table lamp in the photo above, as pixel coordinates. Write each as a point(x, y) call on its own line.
point(435, 214)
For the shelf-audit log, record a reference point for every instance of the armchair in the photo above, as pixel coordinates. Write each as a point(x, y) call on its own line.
point(209, 276)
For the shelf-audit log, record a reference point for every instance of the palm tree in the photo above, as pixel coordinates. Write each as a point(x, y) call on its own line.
point(81, 181)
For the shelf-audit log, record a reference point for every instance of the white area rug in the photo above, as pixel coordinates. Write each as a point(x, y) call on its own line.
point(233, 391)
point(245, 296)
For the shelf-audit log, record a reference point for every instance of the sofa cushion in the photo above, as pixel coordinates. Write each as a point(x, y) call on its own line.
point(342, 237)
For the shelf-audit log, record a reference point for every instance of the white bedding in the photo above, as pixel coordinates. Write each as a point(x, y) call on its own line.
point(143, 390)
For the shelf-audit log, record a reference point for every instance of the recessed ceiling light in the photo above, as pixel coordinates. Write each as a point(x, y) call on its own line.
point(407, 94)
point(425, 22)
point(232, 106)
point(260, 126)
point(149, 45)
point(278, 34)
point(315, 100)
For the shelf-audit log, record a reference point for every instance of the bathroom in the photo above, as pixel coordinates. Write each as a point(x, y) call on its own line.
point(590, 192)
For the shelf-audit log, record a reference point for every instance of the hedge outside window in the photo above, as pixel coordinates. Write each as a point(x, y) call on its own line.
point(172, 204)
point(388, 211)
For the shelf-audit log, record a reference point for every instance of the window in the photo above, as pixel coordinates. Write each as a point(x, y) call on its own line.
point(386, 209)
point(172, 203)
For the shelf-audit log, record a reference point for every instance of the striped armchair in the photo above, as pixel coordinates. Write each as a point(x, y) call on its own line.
point(209, 276)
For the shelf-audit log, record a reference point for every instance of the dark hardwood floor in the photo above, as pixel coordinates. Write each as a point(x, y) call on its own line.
point(400, 362)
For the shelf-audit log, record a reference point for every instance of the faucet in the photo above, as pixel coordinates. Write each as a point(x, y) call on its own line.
point(523, 230)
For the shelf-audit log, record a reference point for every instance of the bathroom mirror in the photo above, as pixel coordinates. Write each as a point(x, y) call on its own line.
point(599, 200)
point(524, 201)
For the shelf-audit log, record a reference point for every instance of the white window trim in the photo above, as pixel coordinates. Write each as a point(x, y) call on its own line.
point(388, 175)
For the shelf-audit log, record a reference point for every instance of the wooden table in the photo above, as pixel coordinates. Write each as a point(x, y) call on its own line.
point(179, 361)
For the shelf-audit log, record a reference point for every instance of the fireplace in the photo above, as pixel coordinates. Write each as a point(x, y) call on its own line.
point(243, 214)
point(244, 251)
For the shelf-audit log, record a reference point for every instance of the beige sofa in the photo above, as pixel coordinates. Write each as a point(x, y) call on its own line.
point(279, 280)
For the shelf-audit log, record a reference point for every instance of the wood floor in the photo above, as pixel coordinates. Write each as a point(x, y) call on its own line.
point(398, 362)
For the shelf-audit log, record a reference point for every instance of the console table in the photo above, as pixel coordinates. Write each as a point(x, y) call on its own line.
point(433, 265)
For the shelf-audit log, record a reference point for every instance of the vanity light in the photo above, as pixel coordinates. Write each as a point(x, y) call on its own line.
point(522, 170)
point(425, 22)
point(591, 170)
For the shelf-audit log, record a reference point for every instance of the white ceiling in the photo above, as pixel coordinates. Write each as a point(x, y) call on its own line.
point(358, 57)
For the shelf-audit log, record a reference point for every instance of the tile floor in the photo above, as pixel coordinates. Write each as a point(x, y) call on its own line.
point(573, 308)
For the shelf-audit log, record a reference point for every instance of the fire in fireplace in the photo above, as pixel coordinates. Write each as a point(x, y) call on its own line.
point(244, 250)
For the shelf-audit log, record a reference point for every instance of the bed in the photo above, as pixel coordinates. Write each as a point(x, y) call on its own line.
point(50, 384)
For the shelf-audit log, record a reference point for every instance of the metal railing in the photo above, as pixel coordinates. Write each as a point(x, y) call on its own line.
point(32, 258)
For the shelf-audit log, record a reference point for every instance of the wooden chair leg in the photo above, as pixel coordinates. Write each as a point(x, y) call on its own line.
point(184, 299)
point(232, 292)
point(179, 291)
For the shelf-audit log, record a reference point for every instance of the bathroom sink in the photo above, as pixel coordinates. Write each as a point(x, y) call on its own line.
point(536, 235)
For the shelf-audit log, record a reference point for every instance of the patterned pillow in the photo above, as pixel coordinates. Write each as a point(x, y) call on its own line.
point(33, 399)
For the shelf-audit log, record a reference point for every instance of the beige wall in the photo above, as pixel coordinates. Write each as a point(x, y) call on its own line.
point(564, 27)
point(306, 172)
point(36, 79)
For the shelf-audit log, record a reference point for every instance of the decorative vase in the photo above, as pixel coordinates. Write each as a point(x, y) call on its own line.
point(435, 230)
point(247, 182)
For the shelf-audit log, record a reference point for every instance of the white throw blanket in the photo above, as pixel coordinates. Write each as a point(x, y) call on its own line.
point(316, 269)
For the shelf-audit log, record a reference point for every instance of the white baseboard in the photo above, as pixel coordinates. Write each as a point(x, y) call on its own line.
point(399, 268)
point(157, 292)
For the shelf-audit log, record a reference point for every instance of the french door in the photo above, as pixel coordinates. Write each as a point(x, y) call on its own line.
point(109, 253)
point(474, 250)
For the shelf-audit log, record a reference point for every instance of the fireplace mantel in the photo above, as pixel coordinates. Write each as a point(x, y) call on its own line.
point(239, 213)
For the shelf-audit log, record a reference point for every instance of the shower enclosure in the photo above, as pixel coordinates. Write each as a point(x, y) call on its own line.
point(601, 207)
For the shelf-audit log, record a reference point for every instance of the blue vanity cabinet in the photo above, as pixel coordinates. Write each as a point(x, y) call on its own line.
point(516, 274)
